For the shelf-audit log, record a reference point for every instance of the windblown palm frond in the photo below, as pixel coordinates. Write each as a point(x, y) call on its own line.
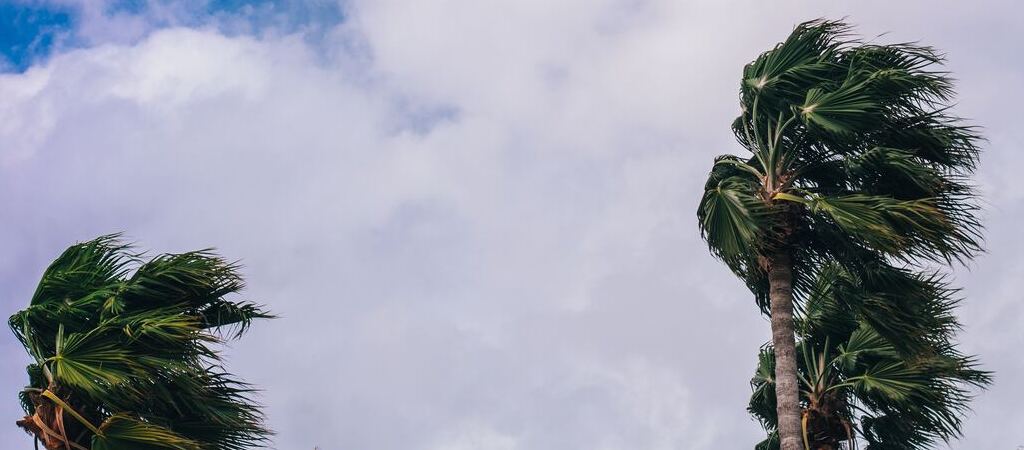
point(844, 138)
point(858, 382)
point(125, 352)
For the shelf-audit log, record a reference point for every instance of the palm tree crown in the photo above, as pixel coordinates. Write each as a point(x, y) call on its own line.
point(854, 159)
point(124, 352)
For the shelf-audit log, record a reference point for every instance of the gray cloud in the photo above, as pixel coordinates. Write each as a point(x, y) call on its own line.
point(476, 218)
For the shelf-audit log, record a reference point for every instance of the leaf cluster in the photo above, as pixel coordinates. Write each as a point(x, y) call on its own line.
point(129, 348)
point(859, 378)
point(853, 157)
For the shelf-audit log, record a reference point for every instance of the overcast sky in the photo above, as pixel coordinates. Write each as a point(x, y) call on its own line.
point(476, 218)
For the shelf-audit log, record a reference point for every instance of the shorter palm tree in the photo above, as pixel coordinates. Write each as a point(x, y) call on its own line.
point(124, 352)
point(859, 377)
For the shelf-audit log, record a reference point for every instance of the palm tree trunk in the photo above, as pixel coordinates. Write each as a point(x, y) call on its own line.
point(787, 395)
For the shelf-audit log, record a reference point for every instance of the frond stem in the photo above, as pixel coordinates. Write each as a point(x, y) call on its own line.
point(53, 397)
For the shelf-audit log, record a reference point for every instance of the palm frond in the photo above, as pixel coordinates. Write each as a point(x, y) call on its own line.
point(123, 432)
point(731, 216)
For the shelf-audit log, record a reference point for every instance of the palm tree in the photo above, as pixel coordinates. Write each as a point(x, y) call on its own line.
point(906, 398)
point(853, 159)
point(124, 352)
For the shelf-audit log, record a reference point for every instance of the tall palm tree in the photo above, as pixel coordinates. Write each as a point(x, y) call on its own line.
point(124, 352)
point(853, 159)
point(858, 383)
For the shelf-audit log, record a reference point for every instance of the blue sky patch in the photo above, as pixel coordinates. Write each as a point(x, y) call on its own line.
point(30, 32)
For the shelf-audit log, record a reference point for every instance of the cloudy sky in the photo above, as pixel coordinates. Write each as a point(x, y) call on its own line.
point(476, 217)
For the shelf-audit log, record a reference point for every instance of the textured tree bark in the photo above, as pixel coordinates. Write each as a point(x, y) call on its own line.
point(787, 394)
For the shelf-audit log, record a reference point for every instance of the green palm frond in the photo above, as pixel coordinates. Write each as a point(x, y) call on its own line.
point(224, 314)
point(849, 109)
point(130, 349)
point(90, 363)
point(762, 400)
point(733, 218)
point(123, 432)
point(893, 380)
point(85, 271)
point(899, 228)
point(770, 443)
point(804, 58)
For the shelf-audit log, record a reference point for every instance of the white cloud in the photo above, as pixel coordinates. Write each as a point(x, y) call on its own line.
point(476, 436)
point(24, 123)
